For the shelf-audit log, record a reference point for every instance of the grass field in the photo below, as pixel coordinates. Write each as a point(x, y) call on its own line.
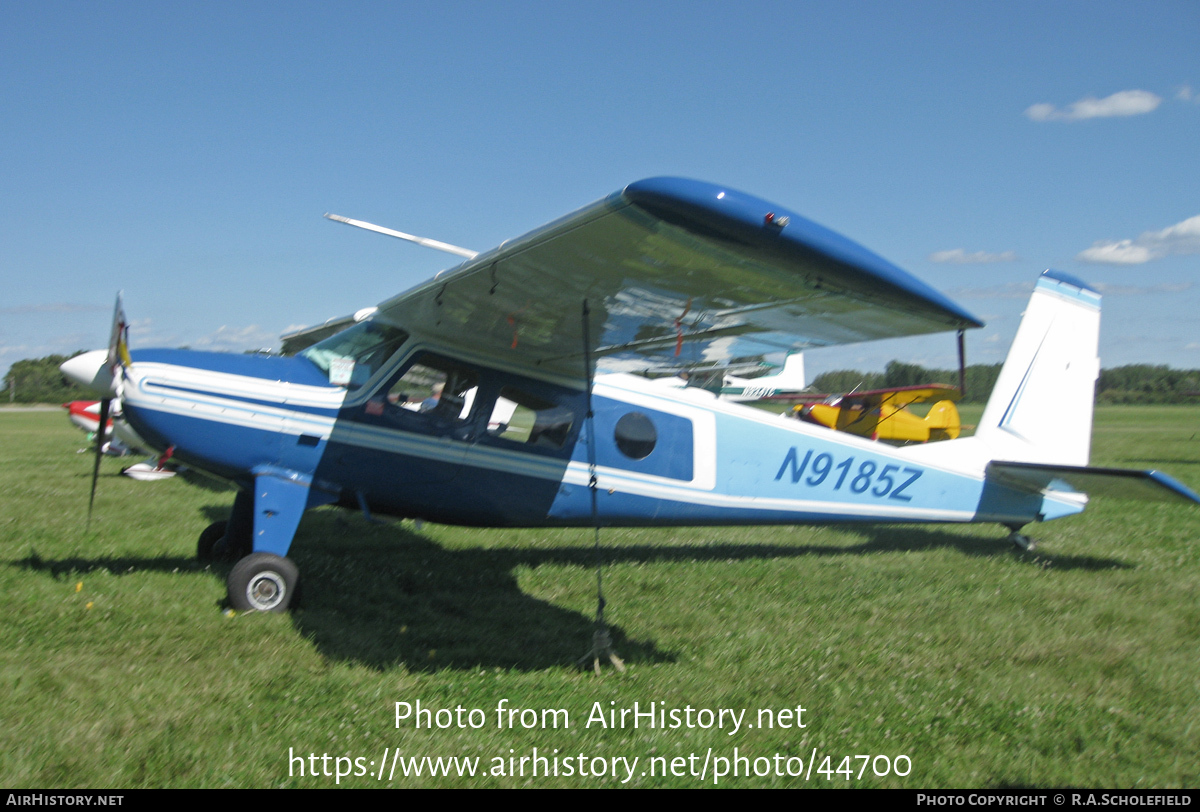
point(1077, 664)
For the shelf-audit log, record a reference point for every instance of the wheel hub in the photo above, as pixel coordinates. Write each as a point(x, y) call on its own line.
point(266, 590)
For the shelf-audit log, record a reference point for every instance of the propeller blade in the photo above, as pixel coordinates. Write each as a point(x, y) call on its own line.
point(118, 338)
point(104, 408)
point(101, 375)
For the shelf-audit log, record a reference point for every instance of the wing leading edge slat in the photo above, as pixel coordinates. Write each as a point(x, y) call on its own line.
point(671, 269)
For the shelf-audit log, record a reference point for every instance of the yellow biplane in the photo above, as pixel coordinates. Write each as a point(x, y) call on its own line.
point(883, 414)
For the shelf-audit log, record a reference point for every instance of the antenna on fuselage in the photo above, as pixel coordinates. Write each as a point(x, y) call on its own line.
point(400, 235)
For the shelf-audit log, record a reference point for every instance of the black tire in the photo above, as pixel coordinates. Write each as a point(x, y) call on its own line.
point(208, 539)
point(263, 582)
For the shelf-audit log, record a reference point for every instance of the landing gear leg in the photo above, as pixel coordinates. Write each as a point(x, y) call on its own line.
point(1020, 539)
point(265, 580)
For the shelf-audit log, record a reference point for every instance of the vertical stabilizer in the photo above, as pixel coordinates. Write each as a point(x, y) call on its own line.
point(1041, 408)
point(792, 376)
point(788, 379)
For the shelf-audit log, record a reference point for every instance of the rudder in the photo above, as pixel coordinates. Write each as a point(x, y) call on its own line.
point(1041, 407)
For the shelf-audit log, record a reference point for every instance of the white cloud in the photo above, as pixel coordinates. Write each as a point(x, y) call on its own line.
point(1123, 103)
point(960, 257)
point(1137, 290)
point(140, 328)
point(1186, 94)
point(1181, 238)
point(1116, 253)
point(720, 349)
point(231, 339)
point(1009, 290)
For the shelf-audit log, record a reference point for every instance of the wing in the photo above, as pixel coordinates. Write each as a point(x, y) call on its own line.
point(907, 395)
point(670, 268)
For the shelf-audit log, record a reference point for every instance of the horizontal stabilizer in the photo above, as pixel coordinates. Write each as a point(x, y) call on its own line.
point(1032, 477)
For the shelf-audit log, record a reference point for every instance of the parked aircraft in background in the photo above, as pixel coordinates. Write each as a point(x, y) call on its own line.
point(883, 414)
point(788, 381)
point(473, 398)
point(85, 415)
point(119, 439)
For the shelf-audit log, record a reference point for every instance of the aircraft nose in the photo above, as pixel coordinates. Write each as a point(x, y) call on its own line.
point(90, 371)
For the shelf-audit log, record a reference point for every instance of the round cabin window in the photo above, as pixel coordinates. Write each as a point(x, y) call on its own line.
point(635, 436)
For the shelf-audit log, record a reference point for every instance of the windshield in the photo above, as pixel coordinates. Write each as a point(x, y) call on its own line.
point(352, 356)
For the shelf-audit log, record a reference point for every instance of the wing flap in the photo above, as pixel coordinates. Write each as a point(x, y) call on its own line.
point(671, 269)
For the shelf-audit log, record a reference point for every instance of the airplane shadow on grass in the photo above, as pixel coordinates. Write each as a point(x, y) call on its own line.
point(383, 595)
point(1161, 461)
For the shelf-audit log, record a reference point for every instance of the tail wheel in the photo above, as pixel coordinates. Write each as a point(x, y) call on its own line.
point(1020, 539)
point(208, 539)
point(263, 582)
point(220, 541)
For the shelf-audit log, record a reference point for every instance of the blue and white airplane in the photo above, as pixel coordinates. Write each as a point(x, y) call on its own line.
point(473, 398)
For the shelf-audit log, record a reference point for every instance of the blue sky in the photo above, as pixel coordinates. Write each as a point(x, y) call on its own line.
point(185, 152)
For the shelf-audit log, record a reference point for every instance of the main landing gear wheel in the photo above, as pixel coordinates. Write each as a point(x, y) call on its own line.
point(263, 582)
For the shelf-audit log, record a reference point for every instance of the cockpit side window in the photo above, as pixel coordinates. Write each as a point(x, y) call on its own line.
point(433, 386)
point(520, 417)
point(434, 395)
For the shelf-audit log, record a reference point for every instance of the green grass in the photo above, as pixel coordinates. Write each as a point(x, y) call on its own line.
point(1076, 664)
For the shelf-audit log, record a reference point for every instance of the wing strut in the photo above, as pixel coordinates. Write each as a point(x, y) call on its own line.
point(601, 640)
point(400, 235)
point(962, 365)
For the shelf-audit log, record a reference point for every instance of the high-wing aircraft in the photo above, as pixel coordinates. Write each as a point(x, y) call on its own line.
point(883, 414)
point(473, 398)
point(788, 381)
point(784, 383)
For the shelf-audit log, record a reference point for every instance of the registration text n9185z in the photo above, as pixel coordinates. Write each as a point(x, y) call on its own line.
point(888, 481)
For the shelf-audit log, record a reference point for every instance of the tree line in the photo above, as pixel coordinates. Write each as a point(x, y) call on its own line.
point(37, 380)
point(1135, 383)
